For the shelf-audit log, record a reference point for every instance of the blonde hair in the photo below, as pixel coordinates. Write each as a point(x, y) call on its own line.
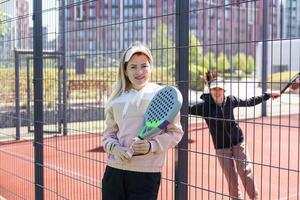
point(122, 81)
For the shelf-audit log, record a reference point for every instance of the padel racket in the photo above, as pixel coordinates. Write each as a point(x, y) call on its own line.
point(293, 79)
point(162, 110)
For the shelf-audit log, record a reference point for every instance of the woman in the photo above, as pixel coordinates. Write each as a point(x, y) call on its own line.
point(137, 177)
point(227, 136)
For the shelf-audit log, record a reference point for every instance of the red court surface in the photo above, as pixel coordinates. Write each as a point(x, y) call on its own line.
point(74, 164)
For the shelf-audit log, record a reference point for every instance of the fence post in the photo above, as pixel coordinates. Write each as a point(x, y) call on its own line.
point(62, 51)
point(264, 68)
point(182, 77)
point(38, 98)
point(28, 93)
point(17, 94)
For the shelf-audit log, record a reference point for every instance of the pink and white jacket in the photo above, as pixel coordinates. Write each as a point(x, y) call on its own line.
point(124, 120)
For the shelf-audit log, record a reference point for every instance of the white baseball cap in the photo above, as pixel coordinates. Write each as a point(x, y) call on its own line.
point(138, 49)
point(217, 84)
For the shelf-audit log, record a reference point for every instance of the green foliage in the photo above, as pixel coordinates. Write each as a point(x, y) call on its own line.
point(239, 62)
point(196, 77)
point(250, 64)
point(243, 63)
point(7, 90)
point(196, 57)
point(163, 75)
point(3, 26)
point(222, 63)
point(163, 50)
point(210, 61)
point(107, 73)
point(236, 76)
point(197, 66)
point(50, 84)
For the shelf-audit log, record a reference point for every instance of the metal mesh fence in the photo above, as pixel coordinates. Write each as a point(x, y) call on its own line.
point(74, 54)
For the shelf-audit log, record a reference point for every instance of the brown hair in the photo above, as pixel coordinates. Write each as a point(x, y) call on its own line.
point(210, 76)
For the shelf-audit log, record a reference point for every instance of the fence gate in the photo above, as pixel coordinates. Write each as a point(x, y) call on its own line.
point(52, 97)
point(24, 91)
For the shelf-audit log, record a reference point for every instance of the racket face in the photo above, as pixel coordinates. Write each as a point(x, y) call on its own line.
point(162, 110)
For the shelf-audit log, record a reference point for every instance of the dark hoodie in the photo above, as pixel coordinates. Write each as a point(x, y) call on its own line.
point(220, 120)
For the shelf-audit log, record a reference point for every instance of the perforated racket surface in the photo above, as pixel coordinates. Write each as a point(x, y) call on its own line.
point(293, 79)
point(162, 109)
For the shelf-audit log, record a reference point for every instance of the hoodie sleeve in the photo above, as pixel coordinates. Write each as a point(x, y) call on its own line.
point(169, 138)
point(251, 101)
point(110, 133)
point(197, 109)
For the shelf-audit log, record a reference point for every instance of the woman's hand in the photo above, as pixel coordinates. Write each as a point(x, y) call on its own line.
point(120, 153)
point(141, 147)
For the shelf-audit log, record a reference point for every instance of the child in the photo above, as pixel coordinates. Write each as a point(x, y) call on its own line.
point(227, 136)
point(137, 177)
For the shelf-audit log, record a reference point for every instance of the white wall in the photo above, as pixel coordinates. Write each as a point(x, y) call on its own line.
point(284, 53)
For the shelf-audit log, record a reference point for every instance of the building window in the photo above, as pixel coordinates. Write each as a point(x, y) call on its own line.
point(126, 12)
point(151, 11)
point(211, 12)
point(80, 34)
point(105, 12)
point(138, 2)
point(128, 2)
point(113, 12)
point(92, 34)
point(92, 9)
point(68, 11)
point(227, 13)
point(165, 7)
point(78, 10)
point(92, 45)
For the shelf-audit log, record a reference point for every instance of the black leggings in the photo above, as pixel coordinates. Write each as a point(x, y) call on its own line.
point(128, 185)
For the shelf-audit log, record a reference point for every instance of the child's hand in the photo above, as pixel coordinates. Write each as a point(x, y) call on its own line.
point(275, 95)
point(141, 147)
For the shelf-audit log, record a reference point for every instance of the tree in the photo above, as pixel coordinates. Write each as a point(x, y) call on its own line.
point(2, 25)
point(250, 65)
point(239, 62)
point(162, 47)
point(197, 74)
point(210, 61)
point(196, 67)
point(196, 57)
point(222, 63)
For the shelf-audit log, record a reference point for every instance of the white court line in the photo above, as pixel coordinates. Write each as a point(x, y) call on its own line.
point(69, 173)
point(289, 197)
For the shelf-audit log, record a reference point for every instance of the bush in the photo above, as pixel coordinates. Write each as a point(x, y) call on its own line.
point(236, 76)
point(197, 77)
point(163, 75)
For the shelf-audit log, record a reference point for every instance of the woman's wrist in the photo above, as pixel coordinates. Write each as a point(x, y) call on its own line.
point(149, 150)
